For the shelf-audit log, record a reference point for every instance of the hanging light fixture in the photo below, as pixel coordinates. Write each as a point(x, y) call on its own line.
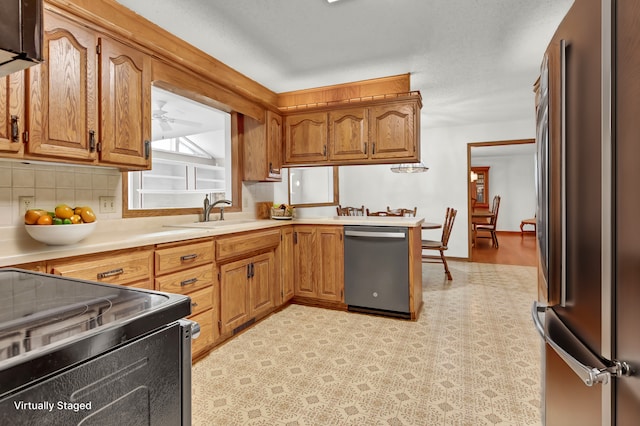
point(409, 168)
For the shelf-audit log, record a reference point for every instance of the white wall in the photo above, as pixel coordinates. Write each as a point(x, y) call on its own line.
point(444, 151)
point(513, 178)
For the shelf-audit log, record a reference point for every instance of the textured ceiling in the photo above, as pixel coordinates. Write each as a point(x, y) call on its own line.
point(474, 61)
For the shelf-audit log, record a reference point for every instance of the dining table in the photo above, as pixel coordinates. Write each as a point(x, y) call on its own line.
point(431, 225)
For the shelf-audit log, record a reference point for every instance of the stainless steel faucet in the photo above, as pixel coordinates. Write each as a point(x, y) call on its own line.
point(208, 206)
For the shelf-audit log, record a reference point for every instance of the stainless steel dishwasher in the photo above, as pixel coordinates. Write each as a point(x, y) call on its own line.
point(376, 269)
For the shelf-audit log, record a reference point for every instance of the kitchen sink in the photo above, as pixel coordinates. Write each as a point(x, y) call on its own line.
point(213, 223)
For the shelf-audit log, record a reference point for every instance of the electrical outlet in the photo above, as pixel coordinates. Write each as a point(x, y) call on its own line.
point(107, 204)
point(27, 202)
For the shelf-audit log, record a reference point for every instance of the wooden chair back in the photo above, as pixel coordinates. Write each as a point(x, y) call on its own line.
point(383, 213)
point(350, 211)
point(404, 212)
point(449, 218)
point(495, 207)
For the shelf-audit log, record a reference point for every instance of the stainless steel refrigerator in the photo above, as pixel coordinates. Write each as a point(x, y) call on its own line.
point(588, 140)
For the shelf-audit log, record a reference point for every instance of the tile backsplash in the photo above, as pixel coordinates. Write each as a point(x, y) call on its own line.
point(53, 184)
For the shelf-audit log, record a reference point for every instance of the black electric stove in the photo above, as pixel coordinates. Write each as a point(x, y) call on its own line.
point(49, 323)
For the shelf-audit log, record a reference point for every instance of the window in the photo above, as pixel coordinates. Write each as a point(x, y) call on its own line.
point(313, 186)
point(192, 156)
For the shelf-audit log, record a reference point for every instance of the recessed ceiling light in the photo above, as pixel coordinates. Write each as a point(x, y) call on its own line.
point(332, 1)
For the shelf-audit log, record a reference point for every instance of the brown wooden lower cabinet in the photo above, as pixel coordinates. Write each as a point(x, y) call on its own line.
point(318, 253)
point(186, 267)
point(122, 267)
point(246, 290)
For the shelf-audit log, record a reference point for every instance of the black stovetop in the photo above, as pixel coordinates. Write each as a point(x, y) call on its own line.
point(48, 322)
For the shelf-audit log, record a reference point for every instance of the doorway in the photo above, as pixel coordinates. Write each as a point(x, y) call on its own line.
point(506, 168)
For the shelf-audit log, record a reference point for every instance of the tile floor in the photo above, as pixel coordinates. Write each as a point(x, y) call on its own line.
point(473, 358)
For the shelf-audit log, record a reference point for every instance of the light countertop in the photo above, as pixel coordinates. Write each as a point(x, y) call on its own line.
point(17, 247)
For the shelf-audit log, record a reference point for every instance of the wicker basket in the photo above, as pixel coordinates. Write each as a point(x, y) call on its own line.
point(277, 213)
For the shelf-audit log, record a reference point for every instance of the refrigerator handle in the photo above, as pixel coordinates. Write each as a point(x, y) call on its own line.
point(589, 375)
point(563, 177)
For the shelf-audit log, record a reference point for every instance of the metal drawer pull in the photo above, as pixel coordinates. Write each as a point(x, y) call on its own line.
point(111, 273)
point(188, 257)
point(194, 305)
point(189, 281)
point(589, 375)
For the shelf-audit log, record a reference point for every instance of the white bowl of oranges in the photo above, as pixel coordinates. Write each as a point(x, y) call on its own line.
point(65, 225)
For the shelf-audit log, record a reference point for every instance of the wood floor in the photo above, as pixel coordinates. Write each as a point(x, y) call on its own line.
point(515, 249)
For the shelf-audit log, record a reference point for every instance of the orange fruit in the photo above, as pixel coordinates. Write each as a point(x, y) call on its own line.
point(75, 219)
point(63, 211)
point(77, 210)
point(44, 220)
point(88, 215)
point(32, 216)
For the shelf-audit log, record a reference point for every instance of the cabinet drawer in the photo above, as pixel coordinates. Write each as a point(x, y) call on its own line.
point(201, 300)
point(148, 285)
point(205, 319)
point(121, 267)
point(186, 281)
point(239, 245)
point(177, 258)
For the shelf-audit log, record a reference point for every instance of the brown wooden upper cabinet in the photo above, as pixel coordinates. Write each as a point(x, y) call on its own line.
point(263, 148)
point(125, 97)
point(373, 132)
point(84, 74)
point(62, 93)
point(11, 113)
point(305, 138)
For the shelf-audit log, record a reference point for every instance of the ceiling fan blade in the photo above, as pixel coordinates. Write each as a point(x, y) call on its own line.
point(184, 122)
point(164, 125)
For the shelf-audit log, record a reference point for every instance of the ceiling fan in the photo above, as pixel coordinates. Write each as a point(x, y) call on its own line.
point(161, 116)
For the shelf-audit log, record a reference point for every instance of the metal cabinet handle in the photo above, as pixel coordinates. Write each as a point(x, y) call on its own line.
point(194, 305)
point(188, 282)
point(14, 128)
point(249, 270)
point(147, 150)
point(373, 148)
point(589, 375)
point(188, 257)
point(365, 148)
point(111, 273)
point(92, 141)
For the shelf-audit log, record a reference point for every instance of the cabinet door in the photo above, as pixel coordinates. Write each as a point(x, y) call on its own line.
point(287, 267)
point(274, 146)
point(62, 102)
point(304, 261)
point(11, 113)
point(330, 257)
point(263, 148)
point(260, 283)
point(391, 130)
point(125, 98)
point(234, 296)
point(348, 134)
point(306, 138)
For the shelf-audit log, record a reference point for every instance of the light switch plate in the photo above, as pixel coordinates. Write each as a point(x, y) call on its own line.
point(107, 204)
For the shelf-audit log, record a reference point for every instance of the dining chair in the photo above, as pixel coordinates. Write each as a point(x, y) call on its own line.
point(404, 212)
point(350, 211)
point(383, 213)
point(489, 228)
point(441, 246)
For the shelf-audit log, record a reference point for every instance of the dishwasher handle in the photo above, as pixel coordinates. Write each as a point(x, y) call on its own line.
point(370, 234)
